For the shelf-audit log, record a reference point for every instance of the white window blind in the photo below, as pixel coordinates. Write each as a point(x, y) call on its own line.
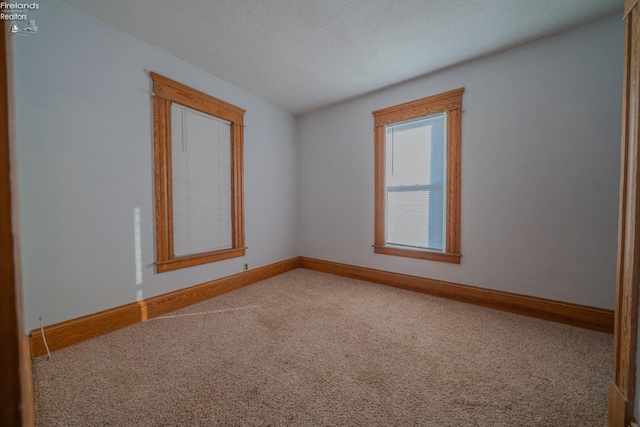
point(201, 176)
point(415, 182)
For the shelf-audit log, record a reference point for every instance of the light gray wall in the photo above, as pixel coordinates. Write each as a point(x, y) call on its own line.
point(540, 170)
point(85, 162)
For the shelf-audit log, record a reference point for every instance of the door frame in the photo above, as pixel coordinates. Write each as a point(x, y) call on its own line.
point(16, 384)
point(623, 384)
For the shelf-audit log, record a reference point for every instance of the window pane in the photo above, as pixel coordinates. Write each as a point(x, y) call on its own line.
point(415, 183)
point(201, 177)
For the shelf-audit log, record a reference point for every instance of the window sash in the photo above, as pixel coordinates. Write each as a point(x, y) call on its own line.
point(408, 223)
point(201, 182)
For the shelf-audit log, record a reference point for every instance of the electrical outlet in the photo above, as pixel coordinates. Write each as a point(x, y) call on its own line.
point(246, 266)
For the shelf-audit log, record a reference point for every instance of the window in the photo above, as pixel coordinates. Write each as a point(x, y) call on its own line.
point(417, 178)
point(198, 176)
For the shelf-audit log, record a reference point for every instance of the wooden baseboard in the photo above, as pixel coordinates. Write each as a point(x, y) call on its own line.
point(83, 328)
point(573, 314)
point(74, 331)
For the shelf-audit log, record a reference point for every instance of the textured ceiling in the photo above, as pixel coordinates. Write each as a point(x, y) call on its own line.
point(303, 55)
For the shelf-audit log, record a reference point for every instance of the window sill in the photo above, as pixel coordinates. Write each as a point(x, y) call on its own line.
point(418, 253)
point(192, 260)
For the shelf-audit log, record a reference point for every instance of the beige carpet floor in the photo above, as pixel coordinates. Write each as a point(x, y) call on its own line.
point(312, 349)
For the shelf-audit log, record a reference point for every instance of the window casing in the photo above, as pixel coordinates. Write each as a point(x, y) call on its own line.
point(417, 178)
point(198, 151)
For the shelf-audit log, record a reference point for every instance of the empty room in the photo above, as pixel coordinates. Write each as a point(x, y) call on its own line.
point(281, 212)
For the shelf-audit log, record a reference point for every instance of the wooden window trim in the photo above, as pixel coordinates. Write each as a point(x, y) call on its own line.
point(165, 92)
point(451, 104)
